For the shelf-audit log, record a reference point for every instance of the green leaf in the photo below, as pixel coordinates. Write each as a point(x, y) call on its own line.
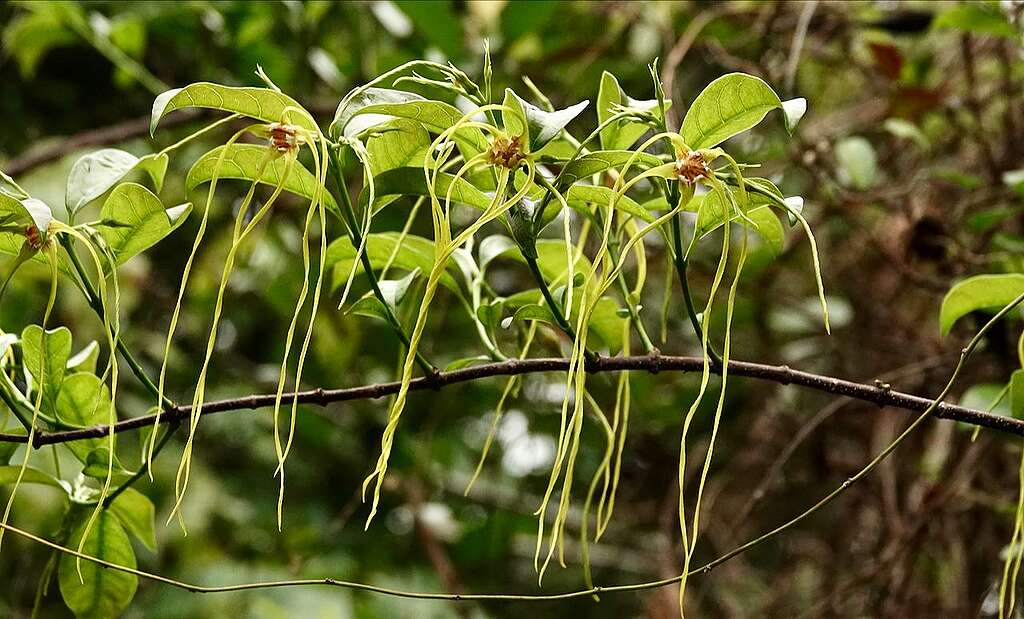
point(976, 293)
point(857, 163)
point(400, 143)
point(975, 17)
point(536, 125)
point(97, 464)
point(550, 259)
point(94, 174)
point(1017, 394)
point(492, 247)
point(85, 359)
point(393, 291)
point(381, 101)
point(9, 475)
point(595, 194)
point(416, 253)
point(982, 397)
point(605, 321)
point(598, 161)
point(711, 209)
point(242, 162)
point(624, 133)
point(84, 401)
point(411, 182)
point(732, 104)
point(434, 116)
point(27, 211)
point(136, 513)
point(465, 362)
point(58, 348)
point(259, 103)
point(133, 220)
point(101, 592)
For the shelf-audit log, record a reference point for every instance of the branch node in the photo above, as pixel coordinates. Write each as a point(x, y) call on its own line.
point(655, 360)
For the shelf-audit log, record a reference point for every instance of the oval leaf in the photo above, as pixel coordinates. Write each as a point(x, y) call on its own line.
point(978, 292)
point(242, 162)
point(101, 592)
point(259, 103)
point(730, 105)
point(133, 220)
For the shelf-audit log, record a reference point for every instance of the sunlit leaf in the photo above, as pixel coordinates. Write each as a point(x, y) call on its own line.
point(393, 291)
point(977, 293)
point(732, 104)
point(601, 160)
point(85, 359)
point(411, 182)
point(133, 220)
point(400, 143)
point(84, 401)
point(94, 174)
point(53, 365)
point(9, 475)
point(242, 162)
point(536, 125)
point(624, 133)
point(416, 253)
point(258, 103)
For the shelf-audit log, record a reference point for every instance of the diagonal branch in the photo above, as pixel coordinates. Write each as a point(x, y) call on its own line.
point(877, 394)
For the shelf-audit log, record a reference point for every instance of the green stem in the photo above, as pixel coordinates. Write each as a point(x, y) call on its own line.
point(634, 316)
point(555, 306)
point(93, 299)
point(349, 219)
point(681, 263)
point(144, 469)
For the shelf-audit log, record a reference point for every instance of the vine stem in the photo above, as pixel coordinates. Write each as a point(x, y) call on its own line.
point(931, 407)
point(781, 374)
point(349, 219)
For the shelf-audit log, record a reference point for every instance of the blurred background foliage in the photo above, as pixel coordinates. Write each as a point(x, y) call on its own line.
point(909, 161)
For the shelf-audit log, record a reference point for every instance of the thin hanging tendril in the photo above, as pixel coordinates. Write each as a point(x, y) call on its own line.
point(510, 385)
point(444, 247)
point(181, 293)
point(238, 235)
point(37, 406)
point(111, 327)
point(318, 206)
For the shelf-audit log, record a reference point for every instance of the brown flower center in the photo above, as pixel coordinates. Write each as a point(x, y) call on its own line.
point(505, 152)
point(692, 167)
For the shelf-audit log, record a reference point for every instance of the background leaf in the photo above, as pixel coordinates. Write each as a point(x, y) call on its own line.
point(976, 293)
